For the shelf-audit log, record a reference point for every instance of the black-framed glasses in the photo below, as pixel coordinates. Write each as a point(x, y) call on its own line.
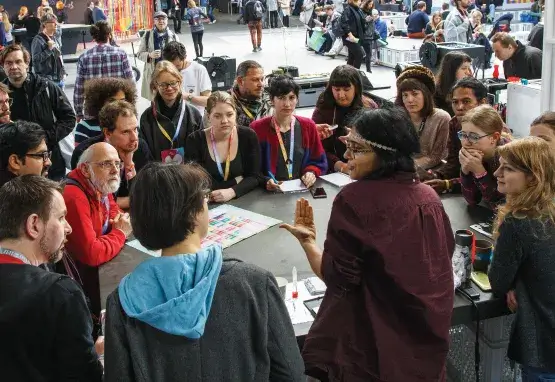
point(165, 85)
point(7, 101)
point(107, 165)
point(471, 137)
point(45, 155)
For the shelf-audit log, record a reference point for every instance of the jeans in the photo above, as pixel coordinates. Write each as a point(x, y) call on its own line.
point(531, 374)
point(326, 46)
point(273, 19)
point(367, 46)
point(255, 29)
point(197, 41)
point(356, 54)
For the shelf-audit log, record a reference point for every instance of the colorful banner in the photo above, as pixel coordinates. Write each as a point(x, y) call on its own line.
point(129, 16)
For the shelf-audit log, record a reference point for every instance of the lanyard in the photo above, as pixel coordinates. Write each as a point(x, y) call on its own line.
point(107, 221)
point(421, 127)
point(217, 156)
point(246, 109)
point(14, 254)
point(178, 127)
point(288, 161)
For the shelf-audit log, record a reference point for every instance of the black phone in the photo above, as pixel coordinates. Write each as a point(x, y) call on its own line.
point(318, 192)
point(313, 305)
point(471, 291)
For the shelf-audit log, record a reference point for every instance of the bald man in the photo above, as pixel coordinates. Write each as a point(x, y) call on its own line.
point(99, 226)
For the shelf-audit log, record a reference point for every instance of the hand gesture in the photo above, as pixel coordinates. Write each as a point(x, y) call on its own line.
point(222, 196)
point(303, 229)
point(475, 161)
point(308, 179)
point(155, 54)
point(324, 130)
point(50, 44)
point(512, 303)
point(273, 186)
point(439, 186)
point(123, 223)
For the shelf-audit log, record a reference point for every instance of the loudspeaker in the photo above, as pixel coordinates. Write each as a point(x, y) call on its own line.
point(221, 69)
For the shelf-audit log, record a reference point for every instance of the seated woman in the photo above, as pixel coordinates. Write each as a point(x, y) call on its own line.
point(434, 29)
point(99, 92)
point(237, 174)
point(544, 127)
point(522, 267)
point(290, 145)
point(167, 123)
point(415, 92)
point(384, 232)
point(336, 107)
point(453, 67)
point(204, 317)
point(481, 134)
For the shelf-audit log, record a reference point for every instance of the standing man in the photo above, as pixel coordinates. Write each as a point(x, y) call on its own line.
point(98, 12)
point(197, 85)
point(5, 103)
point(457, 25)
point(248, 92)
point(254, 12)
point(46, 52)
point(89, 14)
point(518, 60)
point(38, 100)
point(46, 325)
point(150, 50)
point(102, 60)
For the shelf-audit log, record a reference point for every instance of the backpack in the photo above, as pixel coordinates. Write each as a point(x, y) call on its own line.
point(258, 10)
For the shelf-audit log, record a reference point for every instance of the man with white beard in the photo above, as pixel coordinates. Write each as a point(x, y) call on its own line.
point(99, 226)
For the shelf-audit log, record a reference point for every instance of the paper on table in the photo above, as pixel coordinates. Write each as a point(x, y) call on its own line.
point(135, 244)
point(338, 179)
point(297, 310)
point(293, 186)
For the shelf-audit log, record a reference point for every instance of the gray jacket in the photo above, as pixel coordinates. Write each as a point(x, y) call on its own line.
point(248, 336)
point(47, 62)
point(457, 27)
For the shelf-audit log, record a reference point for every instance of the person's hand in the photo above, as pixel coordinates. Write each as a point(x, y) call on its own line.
point(99, 345)
point(343, 139)
point(50, 44)
point(475, 161)
point(512, 303)
point(303, 228)
point(341, 167)
point(123, 223)
point(155, 54)
point(273, 186)
point(439, 185)
point(324, 130)
point(308, 179)
point(222, 196)
point(424, 174)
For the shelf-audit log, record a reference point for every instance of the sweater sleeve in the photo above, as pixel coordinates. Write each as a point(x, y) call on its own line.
point(117, 356)
point(79, 88)
point(535, 64)
point(507, 257)
point(470, 190)
point(437, 140)
point(316, 161)
point(452, 167)
point(83, 243)
point(286, 363)
point(250, 154)
point(328, 144)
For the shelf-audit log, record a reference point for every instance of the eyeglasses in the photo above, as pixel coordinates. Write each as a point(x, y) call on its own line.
point(7, 101)
point(165, 85)
point(471, 137)
point(354, 150)
point(107, 165)
point(45, 155)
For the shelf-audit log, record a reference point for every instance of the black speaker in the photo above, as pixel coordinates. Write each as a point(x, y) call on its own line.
point(221, 69)
point(432, 53)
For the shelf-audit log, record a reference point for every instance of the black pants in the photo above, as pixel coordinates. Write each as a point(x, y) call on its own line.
point(197, 41)
point(286, 21)
point(367, 46)
point(273, 19)
point(177, 16)
point(356, 54)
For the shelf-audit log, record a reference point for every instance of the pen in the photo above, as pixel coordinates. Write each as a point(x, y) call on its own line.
point(272, 177)
point(295, 293)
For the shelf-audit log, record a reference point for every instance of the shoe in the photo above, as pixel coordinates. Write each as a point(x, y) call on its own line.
point(255, 49)
point(213, 22)
point(259, 48)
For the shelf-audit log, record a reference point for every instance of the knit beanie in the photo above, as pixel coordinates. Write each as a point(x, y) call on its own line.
point(419, 73)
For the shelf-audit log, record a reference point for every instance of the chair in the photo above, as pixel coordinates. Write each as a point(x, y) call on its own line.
point(230, 6)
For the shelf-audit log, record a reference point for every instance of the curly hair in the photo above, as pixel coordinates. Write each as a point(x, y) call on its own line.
point(99, 90)
point(532, 156)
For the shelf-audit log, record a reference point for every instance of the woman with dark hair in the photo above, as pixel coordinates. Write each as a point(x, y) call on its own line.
point(229, 153)
point(290, 145)
point(190, 306)
point(99, 92)
point(386, 312)
point(544, 127)
point(336, 107)
point(523, 265)
point(453, 67)
point(415, 92)
point(352, 29)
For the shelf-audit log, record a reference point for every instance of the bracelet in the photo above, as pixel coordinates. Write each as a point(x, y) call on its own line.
point(480, 176)
point(447, 185)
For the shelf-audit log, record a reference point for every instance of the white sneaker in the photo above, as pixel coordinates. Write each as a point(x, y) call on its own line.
point(213, 22)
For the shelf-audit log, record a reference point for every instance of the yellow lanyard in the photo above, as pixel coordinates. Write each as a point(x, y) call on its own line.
point(288, 160)
point(217, 156)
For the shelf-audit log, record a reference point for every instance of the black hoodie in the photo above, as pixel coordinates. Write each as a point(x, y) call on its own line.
point(45, 328)
point(526, 62)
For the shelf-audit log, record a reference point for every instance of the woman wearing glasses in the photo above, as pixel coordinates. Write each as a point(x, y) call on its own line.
point(481, 134)
point(167, 123)
point(383, 301)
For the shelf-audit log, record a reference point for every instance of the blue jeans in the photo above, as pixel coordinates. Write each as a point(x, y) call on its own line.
point(210, 13)
point(492, 11)
point(531, 374)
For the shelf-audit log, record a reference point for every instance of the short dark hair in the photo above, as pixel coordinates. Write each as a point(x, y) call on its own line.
point(4, 88)
point(14, 48)
point(504, 39)
point(420, 5)
point(110, 113)
point(99, 90)
point(174, 50)
point(546, 118)
point(100, 31)
point(281, 85)
point(165, 200)
point(342, 76)
point(22, 197)
point(446, 75)
point(413, 84)
point(445, 6)
point(19, 138)
point(389, 126)
point(244, 67)
point(478, 88)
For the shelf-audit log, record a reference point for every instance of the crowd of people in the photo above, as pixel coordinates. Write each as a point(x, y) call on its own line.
point(192, 313)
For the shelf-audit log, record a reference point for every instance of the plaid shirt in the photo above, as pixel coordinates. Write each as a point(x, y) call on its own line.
point(101, 61)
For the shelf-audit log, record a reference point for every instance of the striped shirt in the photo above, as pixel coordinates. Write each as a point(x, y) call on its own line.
point(101, 61)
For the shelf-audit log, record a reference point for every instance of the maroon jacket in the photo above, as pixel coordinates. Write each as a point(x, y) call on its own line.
point(387, 310)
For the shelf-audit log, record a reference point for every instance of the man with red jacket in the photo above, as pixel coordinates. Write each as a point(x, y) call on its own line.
point(99, 225)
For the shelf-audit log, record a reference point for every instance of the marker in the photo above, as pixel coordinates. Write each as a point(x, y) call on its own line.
point(272, 177)
point(295, 293)
point(333, 127)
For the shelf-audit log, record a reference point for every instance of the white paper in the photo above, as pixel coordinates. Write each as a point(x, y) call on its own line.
point(135, 244)
point(338, 179)
point(298, 312)
point(293, 186)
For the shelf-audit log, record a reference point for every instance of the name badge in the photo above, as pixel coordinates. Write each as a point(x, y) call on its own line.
point(173, 155)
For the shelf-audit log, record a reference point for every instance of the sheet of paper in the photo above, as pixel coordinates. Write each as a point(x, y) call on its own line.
point(338, 179)
point(135, 244)
point(297, 311)
point(294, 185)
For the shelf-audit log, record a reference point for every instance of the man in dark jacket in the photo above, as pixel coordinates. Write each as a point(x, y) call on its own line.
point(89, 14)
point(47, 53)
point(45, 325)
point(518, 60)
point(254, 12)
point(38, 100)
point(417, 21)
point(535, 37)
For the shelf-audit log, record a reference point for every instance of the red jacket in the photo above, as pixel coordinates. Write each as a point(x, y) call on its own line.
point(86, 214)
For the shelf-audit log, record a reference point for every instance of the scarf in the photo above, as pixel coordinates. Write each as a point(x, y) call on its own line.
point(160, 41)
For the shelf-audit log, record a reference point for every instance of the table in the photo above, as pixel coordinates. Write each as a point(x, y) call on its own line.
point(278, 251)
point(72, 35)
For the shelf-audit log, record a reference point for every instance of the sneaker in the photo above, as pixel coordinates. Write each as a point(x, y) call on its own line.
point(255, 49)
point(259, 48)
point(213, 22)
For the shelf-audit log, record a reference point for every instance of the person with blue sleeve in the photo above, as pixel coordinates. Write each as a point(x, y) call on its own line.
point(417, 21)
